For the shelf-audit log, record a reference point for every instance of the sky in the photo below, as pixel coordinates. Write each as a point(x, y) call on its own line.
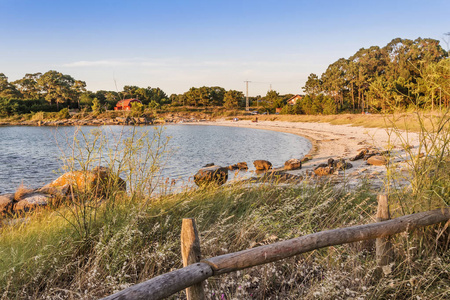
point(176, 45)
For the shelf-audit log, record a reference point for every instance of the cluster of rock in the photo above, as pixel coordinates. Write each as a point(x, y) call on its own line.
point(219, 175)
point(332, 166)
point(212, 174)
point(97, 182)
point(372, 156)
point(89, 121)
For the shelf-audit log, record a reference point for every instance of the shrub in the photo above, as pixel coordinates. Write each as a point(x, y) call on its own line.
point(64, 113)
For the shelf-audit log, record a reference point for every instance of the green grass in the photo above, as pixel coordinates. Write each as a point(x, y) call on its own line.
point(88, 249)
point(131, 242)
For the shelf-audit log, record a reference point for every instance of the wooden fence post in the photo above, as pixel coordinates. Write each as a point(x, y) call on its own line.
point(384, 251)
point(190, 252)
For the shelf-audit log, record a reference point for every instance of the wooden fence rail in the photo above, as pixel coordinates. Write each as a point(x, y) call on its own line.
point(167, 284)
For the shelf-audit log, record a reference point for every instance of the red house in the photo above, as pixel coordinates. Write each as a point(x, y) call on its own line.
point(125, 104)
point(293, 100)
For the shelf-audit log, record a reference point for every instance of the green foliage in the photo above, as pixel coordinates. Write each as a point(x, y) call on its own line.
point(138, 109)
point(233, 99)
point(8, 107)
point(96, 106)
point(64, 113)
point(154, 105)
point(7, 90)
point(86, 99)
point(354, 83)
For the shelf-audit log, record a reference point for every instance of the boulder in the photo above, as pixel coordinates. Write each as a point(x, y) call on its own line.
point(293, 164)
point(341, 164)
point(360, 155)
point(238, 166)
point(281, 177)
point(306, 158)
point(377, 160)
point(99, 179)
point(321, 171)
point(31, 202)
point(6, 204)
point(211, 175)
point(59, 191)
point(242, 165)
point(370, 154)
point(262, 165)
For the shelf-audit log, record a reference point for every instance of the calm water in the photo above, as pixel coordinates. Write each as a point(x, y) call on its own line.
point(32, 155)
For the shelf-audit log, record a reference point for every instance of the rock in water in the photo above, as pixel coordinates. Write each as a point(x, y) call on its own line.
point(242, 165)
point(238, 166)
point(214, 174)
point(262, 165)
point(293, 164)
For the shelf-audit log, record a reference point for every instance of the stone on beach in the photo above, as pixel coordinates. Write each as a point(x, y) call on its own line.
point(377, 160)
point(293, 164)
point(341, 164)
point(321, 171)
point(262, 165)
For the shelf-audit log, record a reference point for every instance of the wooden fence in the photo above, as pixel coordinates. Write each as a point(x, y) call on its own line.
point(195, 271)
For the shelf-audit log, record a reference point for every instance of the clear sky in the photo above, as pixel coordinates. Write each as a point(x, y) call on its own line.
point(176, 45)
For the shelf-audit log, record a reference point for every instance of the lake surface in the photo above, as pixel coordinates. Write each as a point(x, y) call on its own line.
point(32, 155)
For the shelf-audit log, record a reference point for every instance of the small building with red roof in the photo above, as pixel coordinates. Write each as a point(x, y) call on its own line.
point(126, 104)
point(293, 100)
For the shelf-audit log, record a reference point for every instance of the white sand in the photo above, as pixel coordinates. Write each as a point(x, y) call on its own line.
point(337, 141)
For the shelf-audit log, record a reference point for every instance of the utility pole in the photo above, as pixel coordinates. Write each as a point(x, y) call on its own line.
point(246, 95)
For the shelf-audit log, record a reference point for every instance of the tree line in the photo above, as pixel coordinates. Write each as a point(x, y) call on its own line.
point(53, 90)
point(401, 74)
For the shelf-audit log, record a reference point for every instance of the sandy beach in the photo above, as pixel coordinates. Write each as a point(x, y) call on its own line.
point(340, 141)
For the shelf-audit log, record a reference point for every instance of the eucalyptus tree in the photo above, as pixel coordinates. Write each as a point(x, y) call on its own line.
point(59, 88)
point(7, 89)
point(28, 86)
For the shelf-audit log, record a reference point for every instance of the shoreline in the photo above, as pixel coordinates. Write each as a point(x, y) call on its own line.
point(339, 141)
point(329, 141)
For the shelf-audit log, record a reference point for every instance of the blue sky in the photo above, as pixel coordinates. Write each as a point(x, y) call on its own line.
point(176, 45)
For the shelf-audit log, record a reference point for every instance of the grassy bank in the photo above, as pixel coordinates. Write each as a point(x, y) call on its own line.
point(88, 248)
point(402, 121)
point(131, 242)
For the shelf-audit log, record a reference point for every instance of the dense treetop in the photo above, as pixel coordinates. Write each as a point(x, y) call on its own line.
point(403, 73)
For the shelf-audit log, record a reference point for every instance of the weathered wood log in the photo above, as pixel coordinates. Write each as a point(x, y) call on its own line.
point(383, 245)
point(190, 252)
point(269, 253)
point(165, 285)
